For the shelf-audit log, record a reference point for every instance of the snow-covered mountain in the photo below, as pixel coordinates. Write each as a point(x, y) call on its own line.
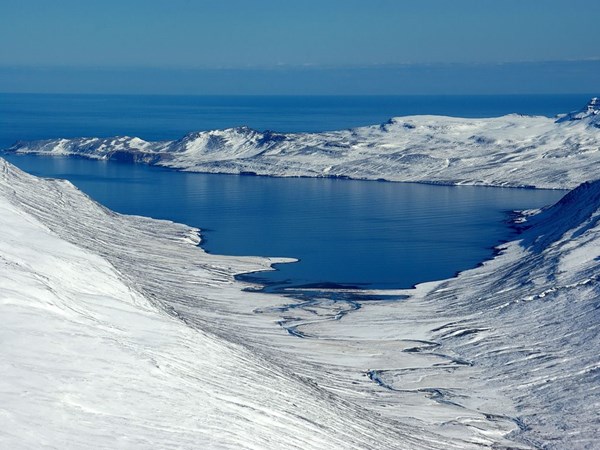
point(590, 112)
point(512, 150)
point(118, 331)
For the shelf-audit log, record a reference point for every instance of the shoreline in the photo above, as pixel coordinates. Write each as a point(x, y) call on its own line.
point(483, 252)
point(483, 350)
point(458, 184)
point(5, 152)
point(441, 355)
point(508, 151)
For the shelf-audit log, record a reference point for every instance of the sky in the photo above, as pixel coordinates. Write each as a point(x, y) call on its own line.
point(299, 46)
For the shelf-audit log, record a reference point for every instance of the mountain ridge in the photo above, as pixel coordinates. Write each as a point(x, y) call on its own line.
point(509, 151)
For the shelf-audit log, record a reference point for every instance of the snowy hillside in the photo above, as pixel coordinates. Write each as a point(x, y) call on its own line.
point(512, 150)
point(101, 349)
point(124, 334)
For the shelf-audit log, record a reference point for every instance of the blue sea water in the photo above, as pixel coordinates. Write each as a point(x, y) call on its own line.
point(362, 233)
point(42, 116)
point(372, 234)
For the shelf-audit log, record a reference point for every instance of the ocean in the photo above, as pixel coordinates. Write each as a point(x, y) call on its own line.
point(45, 116)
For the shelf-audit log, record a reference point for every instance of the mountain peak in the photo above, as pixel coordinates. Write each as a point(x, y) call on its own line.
point(593, 106)
point(591, 109)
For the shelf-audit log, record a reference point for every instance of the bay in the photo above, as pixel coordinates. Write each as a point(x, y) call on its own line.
point(380, 235)
point(346, 232)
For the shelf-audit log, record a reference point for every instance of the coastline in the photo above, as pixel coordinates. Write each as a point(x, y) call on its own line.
point(439, 368)
point(506, 151)
point(450, 183)
point(436, 334)
point(195, 362)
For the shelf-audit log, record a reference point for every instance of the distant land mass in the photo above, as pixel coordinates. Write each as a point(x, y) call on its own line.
point(513, 150)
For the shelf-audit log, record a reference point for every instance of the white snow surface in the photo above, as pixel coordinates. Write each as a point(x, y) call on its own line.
point(119, 332)
point(512, 150)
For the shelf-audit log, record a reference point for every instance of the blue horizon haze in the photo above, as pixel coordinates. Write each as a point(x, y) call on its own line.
point(302, 48)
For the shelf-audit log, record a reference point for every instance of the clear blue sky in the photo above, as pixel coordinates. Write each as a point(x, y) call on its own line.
point(369, 40)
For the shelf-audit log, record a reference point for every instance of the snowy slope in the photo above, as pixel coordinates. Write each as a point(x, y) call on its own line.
point(524, 326)
point(512, 150)
point(123, 334)
point(96, 355)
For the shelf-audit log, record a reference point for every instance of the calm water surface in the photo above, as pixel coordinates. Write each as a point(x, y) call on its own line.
point(36, 116)
point(347, 232)
point(383, 235)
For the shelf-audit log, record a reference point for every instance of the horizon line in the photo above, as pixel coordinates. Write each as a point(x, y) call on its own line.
point(297, 66)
